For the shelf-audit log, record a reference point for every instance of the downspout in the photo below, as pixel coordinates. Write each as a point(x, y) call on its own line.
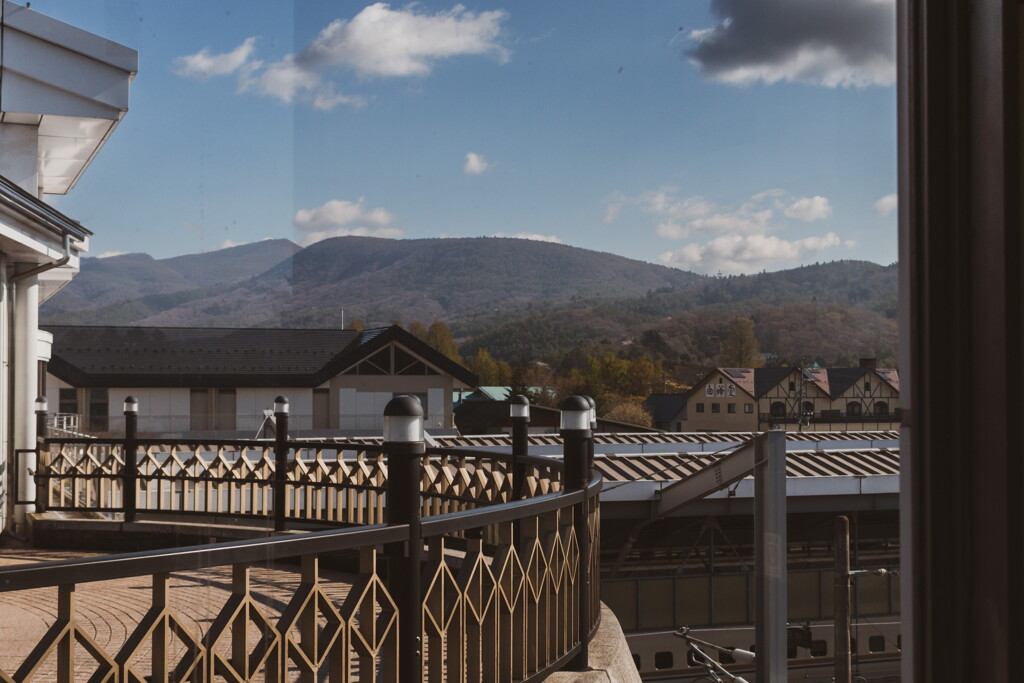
point(47, 266)
point(11, 290)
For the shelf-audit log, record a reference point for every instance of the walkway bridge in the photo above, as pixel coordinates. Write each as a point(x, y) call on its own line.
point(398, 562)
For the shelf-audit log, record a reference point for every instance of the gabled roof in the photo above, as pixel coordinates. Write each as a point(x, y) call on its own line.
point(86, 356)
point(890, 377)
point(766, 379)
point(841, 379)
point(741, 377)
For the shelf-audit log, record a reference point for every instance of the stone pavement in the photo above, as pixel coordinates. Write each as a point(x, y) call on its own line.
point(110, 610)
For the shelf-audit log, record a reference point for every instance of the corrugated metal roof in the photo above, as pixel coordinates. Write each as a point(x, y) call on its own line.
point(670, 467)
point(645, 438)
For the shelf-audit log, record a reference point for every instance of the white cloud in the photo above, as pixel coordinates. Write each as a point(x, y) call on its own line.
point(475, 164)
point(339, 218)
point(377, 42)
point(203, 65)
point(111, 254)
point(887, 204)
point(809, 209)
point(839, 43)
point(529, 236)
point(747, 253)
point(380, 41)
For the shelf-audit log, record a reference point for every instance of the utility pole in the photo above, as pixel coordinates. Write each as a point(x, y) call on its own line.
point(844, 664)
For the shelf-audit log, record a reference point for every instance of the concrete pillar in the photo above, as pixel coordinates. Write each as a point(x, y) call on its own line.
point(19, 162)
point(770, 565)
point(24, 376)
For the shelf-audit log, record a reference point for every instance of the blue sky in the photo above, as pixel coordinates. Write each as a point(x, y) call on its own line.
point(732, 136)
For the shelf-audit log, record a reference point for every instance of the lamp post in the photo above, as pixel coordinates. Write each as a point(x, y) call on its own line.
point(575, 431)
point(519, 415)
point(36, 492)
point(403, 451)
point(131, 461)
point(280, 461)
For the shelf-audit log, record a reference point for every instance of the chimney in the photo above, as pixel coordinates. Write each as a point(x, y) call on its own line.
point(870, 363)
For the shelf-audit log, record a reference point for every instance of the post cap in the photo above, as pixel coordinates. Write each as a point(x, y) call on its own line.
point(280, 404)
point(575, 413)
point(593, 411)
point(41, 404)
point(131, 404)
point(519, 406)
point(403, 419)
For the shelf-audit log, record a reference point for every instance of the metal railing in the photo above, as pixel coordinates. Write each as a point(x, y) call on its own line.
point(469, 566)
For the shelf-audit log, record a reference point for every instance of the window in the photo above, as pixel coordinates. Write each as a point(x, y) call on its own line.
point(98, 410)
point(881, 408)
point(663, 660)
point(748, 408)
point(68, 401)
point(867, 386)
point(321, 409)
point(792, 385)
point(819, 648)
point(731, 407)
point(876, 643)
point(199, 410)
point(807, 409)
point(854, 408)
point(716, 407)
point(778, 409)
point(725, 658)
point(700, 407)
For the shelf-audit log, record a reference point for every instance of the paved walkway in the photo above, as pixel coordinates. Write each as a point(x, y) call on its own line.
point(110, 610)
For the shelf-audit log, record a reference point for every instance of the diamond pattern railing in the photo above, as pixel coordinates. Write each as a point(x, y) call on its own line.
point(501, 596)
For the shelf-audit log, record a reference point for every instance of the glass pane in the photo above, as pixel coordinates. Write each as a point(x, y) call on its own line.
point(656, 604)
point(804, 595)
point(620, 596)
point(731, 599)
point(872, 595)
point(693, 596)
point(828, 597)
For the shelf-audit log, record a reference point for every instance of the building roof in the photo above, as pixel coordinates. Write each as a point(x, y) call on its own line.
point(674, 466)
point(15, 200)
point(85, 356)
point(832, 381)
point(70, 83)
point(664, 407)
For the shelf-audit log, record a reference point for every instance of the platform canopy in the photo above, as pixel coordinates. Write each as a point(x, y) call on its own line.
point(71, 83)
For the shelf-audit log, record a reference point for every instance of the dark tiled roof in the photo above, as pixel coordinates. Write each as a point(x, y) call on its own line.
point(243, 357)
point(765, 379)
point(664, 407)
point(841, 379)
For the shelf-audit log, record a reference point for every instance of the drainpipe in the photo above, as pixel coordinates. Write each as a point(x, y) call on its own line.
point(18, 377)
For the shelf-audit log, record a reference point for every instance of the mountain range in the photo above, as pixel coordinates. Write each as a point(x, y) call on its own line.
point(514, 297)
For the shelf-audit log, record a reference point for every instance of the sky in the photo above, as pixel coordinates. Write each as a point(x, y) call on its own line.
point(719, 136)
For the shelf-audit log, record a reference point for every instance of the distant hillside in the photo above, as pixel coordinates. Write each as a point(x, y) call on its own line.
point(106, 283)
point(516, 298)
point(374, 279)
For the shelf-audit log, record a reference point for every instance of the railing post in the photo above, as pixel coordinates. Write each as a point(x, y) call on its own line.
point(280, 461)
point(403, 450)
point(519, 415)
point(575, 431)
point(42, 487)
point(131, 461)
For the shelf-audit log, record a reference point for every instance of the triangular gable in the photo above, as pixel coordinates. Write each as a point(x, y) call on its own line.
point(719, 382)
point(395, 360)
point(890, 376)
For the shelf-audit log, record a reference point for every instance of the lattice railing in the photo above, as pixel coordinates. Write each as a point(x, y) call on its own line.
point(506, 610)
point(325, 482)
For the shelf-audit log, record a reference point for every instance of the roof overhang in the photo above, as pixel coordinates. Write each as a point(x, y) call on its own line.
point(70, 83)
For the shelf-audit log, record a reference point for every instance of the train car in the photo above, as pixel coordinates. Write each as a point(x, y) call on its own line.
point(875, 647)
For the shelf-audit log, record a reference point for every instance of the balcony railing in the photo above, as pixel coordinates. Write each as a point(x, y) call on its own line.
point(829, 416)
point(469, 566)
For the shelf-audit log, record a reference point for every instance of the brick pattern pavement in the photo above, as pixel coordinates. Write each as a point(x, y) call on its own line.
point(110, 610)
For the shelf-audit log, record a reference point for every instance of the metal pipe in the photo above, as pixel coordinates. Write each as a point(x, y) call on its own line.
point(17, 277)
point(844, 664)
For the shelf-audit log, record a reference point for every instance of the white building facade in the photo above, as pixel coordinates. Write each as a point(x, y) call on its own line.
point(62, 93)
